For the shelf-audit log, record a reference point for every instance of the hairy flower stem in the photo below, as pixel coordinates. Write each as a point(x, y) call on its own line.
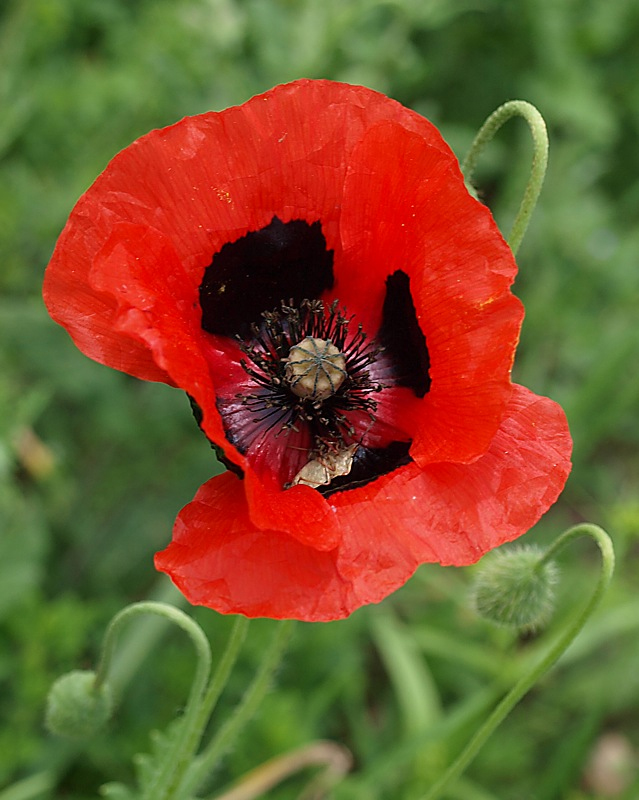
point(170, 613)
point(206, 762)
point(527, 681)
point(141, 637)
point(181, 772)
point(539, 133)
point(157, 789)
point(195, 731)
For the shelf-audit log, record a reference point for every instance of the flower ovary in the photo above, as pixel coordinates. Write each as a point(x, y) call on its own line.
point(315, 368)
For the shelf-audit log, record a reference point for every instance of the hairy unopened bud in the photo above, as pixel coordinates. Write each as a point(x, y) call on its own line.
point(75, 708)
point(512, 589)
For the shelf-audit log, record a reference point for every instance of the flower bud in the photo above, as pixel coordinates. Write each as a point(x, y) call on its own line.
point(75, 708)
point(512, 589)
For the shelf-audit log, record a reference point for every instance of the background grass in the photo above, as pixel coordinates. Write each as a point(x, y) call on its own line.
point(94, 465)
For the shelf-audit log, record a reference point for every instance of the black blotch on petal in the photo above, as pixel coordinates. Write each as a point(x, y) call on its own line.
point(368, 465)
point(282, 261)
point(402, 338)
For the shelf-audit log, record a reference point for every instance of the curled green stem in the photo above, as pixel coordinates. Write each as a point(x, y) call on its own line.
point(537, 126)
point(159, 788)
point(565, 638)
point(179, 618)
point(141, 637)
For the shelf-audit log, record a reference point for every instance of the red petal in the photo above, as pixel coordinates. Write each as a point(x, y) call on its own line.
point(87, 313)
point(157, 305)
point(454, 513)
point(300, 511)
point(406, 208)
point(451, 513)
point(219, 559)
point(206, 181)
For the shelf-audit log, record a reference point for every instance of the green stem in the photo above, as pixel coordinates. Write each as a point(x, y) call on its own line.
point(539, 162)
point(170, 613)
point(554, 652)
point(141, 637)
point(193, 735)
point(159, 787)
point(209, 758)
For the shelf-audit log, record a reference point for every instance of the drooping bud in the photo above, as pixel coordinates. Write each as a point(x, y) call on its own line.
point(315, 368)
point(75, 708)
point(513, 589)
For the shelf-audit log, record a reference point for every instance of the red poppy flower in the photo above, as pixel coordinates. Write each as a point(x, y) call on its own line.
point(310, 269)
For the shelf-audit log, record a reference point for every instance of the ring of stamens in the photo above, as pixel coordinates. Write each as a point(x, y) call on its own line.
point(310, 370)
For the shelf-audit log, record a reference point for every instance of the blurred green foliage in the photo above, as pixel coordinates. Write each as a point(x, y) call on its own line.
point(94, 465)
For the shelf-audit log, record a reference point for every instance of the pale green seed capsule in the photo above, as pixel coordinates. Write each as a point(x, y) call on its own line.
point(315, 368)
